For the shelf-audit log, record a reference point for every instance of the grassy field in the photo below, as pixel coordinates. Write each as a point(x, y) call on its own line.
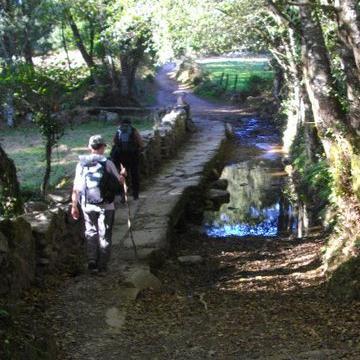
point(26, 148)
point(235, 75)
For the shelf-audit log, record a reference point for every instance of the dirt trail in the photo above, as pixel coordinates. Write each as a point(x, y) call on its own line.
point(168, 87)
point(251, 298)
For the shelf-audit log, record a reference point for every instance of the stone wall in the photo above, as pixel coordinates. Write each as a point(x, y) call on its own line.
point(48, 240)
point(36, 244)
point(163, 142)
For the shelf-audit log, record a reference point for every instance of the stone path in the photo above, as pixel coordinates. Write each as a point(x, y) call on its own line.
point(90, 311)
point(199, 107)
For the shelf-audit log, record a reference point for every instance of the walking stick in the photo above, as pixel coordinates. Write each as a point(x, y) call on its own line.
point(129, 221)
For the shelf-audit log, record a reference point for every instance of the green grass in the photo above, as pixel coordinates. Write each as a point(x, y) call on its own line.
point(222, 76)
point(25, 147)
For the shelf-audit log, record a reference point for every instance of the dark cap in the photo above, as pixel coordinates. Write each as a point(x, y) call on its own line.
point(126, 121)
point(96, 140)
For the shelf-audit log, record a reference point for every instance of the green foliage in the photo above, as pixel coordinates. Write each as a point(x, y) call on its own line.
point(27, 151)
point(43, 91)
point(25, 25)
point(250, 78)
point(316, 180)
point(343, 284)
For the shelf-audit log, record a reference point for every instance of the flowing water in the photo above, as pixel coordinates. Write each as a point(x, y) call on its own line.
point(262, 198)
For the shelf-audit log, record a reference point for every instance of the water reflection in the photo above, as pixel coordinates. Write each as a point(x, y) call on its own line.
point(263, 200)
point(257, 206)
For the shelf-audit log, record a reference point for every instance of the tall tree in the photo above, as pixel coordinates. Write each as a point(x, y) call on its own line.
point(10, 197)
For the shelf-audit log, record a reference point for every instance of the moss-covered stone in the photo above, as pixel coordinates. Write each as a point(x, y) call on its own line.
point(18, 267)
point(344, 283)
point(355, 166)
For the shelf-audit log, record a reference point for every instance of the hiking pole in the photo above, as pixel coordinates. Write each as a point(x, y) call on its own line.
point(129, 221)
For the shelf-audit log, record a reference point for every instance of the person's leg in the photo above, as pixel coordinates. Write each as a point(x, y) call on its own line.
point(135, 178)
point(105, 224)
point(92, 238)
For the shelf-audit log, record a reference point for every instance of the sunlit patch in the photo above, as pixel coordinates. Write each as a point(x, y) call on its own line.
point(267, 227)
point(260, 204)
point(79, 149)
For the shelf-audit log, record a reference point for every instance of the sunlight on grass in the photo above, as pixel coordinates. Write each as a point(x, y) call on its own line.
point(26, 148)
point(231, 76)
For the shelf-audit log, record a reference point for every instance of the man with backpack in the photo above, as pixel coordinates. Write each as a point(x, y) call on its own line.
point(127, 147)
point(96, 183)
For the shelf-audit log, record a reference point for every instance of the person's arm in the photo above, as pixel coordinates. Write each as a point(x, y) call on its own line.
point(75, 196)
point(123, 170)
point(138, 139)
point(112, 168)
point(74, 204)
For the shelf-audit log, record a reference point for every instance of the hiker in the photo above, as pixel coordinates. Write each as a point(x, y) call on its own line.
point(96, 183)
point(126, 150)
point(181, 103)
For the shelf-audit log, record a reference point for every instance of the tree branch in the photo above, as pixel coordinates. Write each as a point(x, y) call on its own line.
point(281, 15)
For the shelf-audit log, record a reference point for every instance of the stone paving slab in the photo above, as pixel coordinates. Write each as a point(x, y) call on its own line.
point(160, 205)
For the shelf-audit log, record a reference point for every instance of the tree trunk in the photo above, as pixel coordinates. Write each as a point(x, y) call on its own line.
point(46, 179)
point(312, 141)
point(131, 80)
point(28, 51)
point(10, 189)
point(9, 109)
point(352, 87)
point(317, 75)
point(124, 77)
point(278, 81)
point(79, 42)
point(352, 72)
point(7, 46)
point(349, 21)
point(63, 38)
point(338, 138)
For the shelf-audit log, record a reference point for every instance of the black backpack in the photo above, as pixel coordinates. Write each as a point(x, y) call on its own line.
point(101, 186)
point(125, 141)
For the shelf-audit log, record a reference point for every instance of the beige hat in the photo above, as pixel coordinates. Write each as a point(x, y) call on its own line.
point(96, 140)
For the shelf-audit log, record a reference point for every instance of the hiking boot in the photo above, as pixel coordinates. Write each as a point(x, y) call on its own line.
point(92, 267)
point(102, 271)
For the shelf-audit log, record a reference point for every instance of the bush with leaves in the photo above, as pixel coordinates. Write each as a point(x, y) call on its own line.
point(44, 92)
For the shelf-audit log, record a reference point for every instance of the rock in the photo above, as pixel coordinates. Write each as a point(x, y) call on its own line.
point(220, 184)
point(229, 131)
point(218, 196)
point(115, 318)
point(63, 148)
point(32, 206)
point(190, 259)
point(173, 117)
point(21, 255)
point(108, 116)
point(60, 196)
point(43, 261)
point(144, 279)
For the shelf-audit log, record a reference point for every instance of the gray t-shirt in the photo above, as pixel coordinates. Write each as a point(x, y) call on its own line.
point(79, 181)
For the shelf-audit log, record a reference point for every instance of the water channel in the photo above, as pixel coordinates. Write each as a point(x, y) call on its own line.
point(262, 197)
